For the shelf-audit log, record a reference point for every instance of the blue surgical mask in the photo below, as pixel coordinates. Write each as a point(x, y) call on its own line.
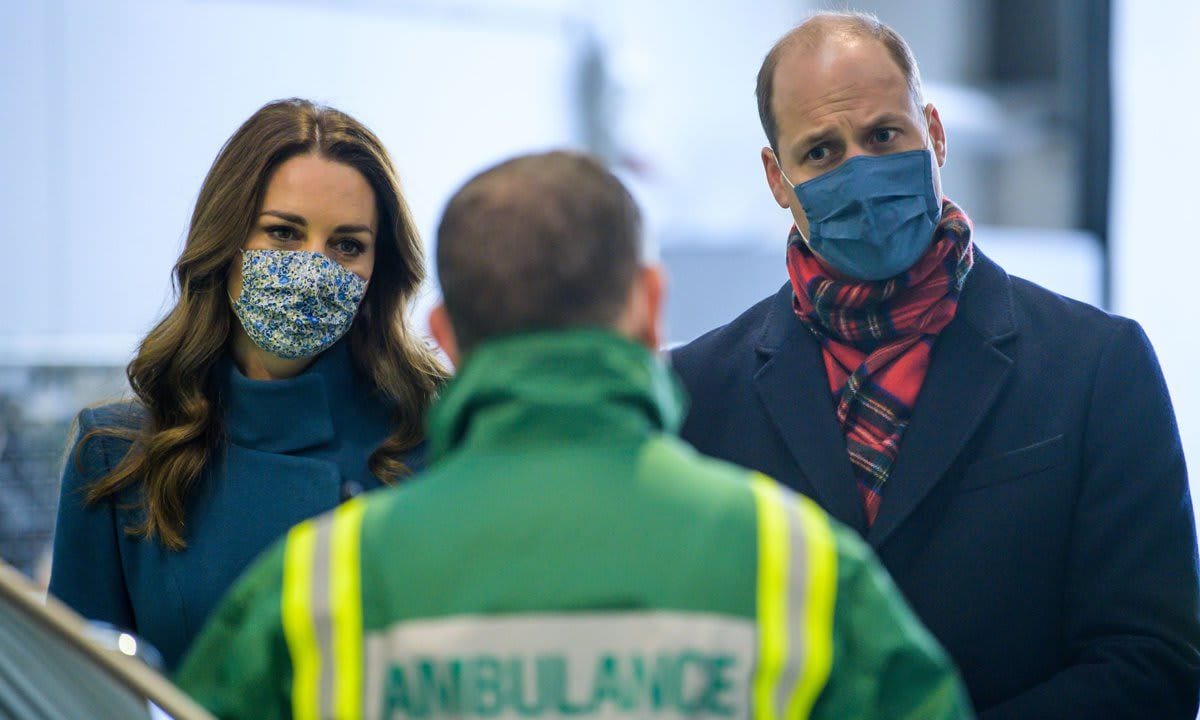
point(295, 303)
point(872, 217)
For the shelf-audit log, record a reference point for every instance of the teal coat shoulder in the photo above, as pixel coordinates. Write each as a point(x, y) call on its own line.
point(294, 449)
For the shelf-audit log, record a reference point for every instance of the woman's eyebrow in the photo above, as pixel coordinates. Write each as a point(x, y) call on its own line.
point(290, 217)
point(354, 229)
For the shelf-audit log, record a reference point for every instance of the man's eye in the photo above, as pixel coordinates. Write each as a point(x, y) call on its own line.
point(818, 154)
point(282, 233)
point(884, 135)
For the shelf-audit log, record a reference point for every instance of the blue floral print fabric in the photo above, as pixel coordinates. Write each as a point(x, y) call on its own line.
point(296, 303)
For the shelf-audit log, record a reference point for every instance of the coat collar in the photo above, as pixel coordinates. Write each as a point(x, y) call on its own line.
point(985, 304)
point(966, 373)
point(554, 387)
point(282, 416)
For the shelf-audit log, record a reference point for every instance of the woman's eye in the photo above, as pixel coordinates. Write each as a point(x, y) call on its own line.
point(282, 233)
point(349, 247)
point(884, 135)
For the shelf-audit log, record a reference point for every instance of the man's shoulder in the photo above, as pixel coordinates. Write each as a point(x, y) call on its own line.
point(665, 456)
point(1068, 323)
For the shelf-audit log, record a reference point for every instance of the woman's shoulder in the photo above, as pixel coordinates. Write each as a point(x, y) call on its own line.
point(124, 415)
point(104, 434)
point(417, 457)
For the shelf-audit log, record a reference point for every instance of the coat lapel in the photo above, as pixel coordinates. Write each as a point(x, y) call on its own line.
point(966, 374)
point(792, 384)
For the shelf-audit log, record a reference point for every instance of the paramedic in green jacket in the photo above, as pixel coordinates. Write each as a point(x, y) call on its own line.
point(565, 555)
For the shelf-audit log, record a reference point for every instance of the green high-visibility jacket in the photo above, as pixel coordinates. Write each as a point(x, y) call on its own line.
point(567, 556)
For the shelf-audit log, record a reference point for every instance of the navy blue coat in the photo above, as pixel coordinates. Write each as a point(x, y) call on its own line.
point(1037, 517)
point(295, 449)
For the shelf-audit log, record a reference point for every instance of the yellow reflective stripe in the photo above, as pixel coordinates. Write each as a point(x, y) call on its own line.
point(298, 627)
point(818, 608)
point(772, 594)
point(345, 599)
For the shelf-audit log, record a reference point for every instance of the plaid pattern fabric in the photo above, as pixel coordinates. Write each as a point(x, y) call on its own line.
point(876, 339)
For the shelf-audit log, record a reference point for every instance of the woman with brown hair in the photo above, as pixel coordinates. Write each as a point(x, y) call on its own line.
point(284, 380)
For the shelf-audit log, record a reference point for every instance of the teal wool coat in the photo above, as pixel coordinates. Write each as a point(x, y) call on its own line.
point(294, 448)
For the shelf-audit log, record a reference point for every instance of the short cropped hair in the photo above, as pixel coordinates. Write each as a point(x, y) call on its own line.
point(540, 242)
point(811, 33)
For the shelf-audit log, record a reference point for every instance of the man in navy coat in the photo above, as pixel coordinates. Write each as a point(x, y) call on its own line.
point(1011, 455)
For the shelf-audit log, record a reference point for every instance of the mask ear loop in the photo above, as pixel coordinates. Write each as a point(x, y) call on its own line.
point(793, 187)
point(228, 294)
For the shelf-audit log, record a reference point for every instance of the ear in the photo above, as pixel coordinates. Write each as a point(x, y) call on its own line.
point(937, 134)
point(654, 288)
point(642, 319)
point(443, 332)
point(780, 188)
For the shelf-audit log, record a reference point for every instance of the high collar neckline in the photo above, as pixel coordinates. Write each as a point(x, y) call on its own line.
point(287, 415)
point(534, 382)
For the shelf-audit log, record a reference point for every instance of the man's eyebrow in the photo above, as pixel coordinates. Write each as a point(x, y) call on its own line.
point(814, 137)
point(886, 117)
point(290, 217)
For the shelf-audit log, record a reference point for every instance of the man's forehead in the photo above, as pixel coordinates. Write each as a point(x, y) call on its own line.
point(815, 80)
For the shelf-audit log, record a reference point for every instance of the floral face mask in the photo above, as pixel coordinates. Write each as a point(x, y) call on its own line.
point(296, 303)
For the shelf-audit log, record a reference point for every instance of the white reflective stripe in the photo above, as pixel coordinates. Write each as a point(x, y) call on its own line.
point(796, 588)
point(663, 664)
point(322, 620)
point(770, 596)
point(796, 602)
point(323, 617)
point(821, 582)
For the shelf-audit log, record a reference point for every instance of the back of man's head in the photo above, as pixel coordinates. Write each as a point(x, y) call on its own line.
point(539, 242)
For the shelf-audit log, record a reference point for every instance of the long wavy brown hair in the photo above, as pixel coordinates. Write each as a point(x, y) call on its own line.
point(172, 374)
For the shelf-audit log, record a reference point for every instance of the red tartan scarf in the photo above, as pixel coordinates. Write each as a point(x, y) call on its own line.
point(876, 338)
